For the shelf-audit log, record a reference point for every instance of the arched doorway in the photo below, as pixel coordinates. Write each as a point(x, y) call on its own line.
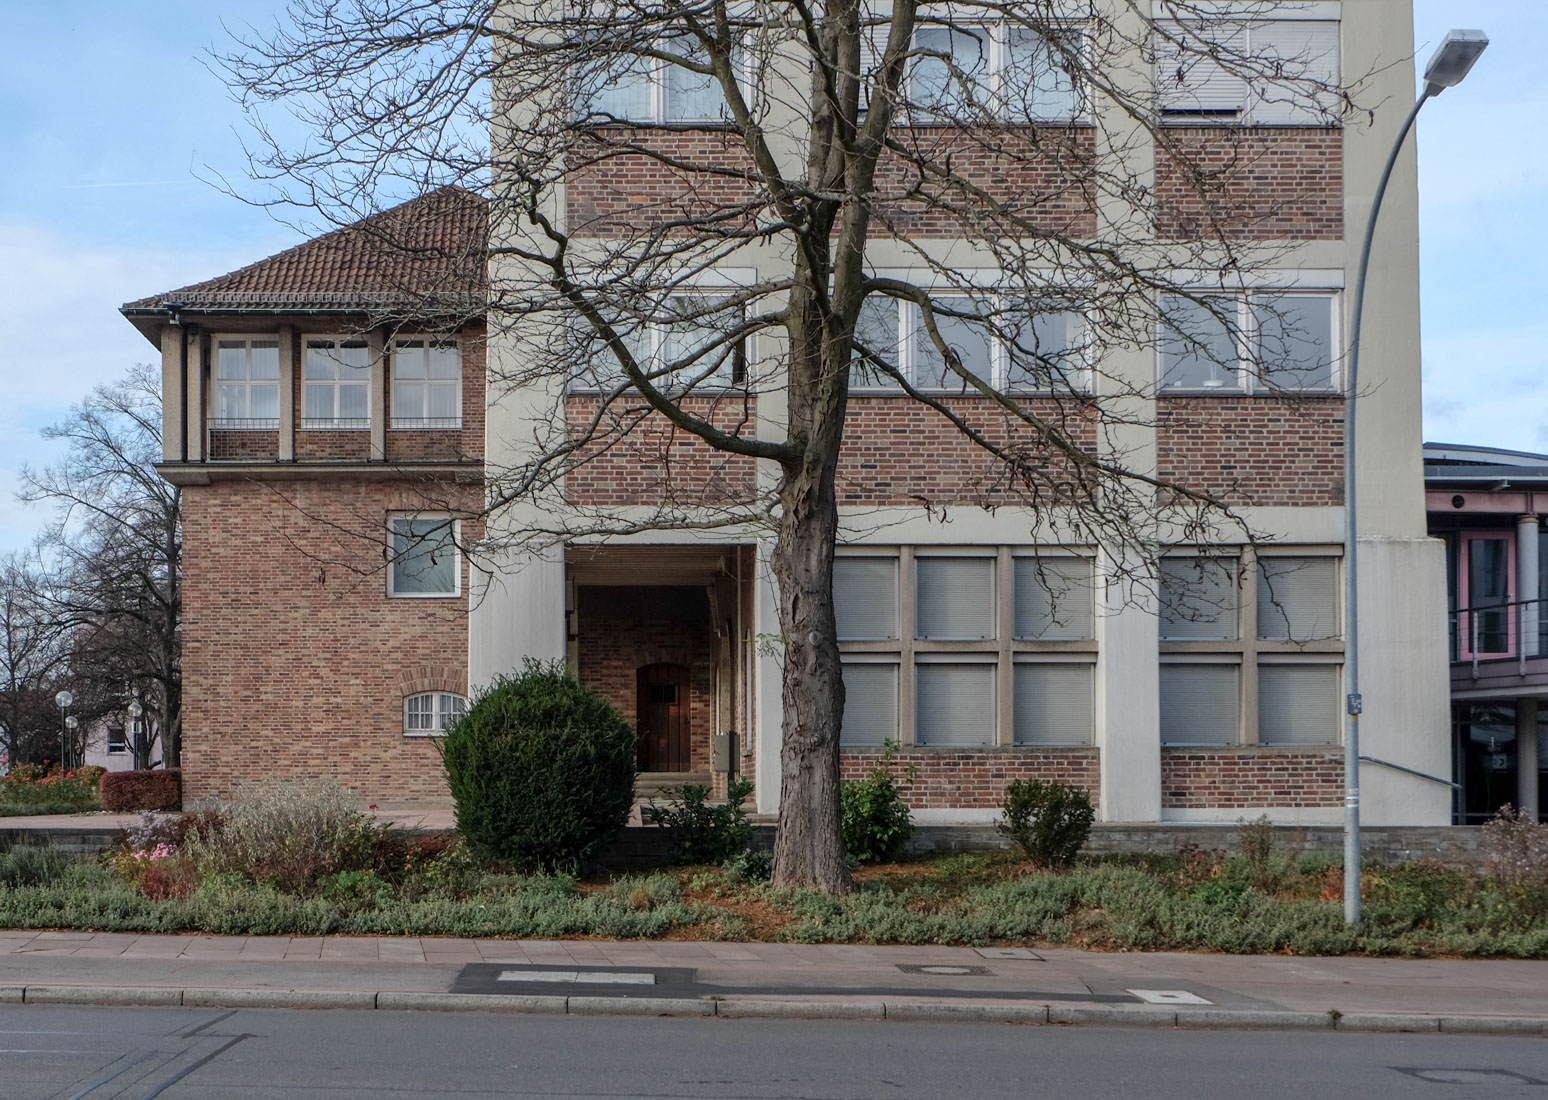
point(661, 713)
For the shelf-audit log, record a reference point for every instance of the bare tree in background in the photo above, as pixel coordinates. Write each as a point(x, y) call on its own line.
point(114, 550)
point(33, 654)
point(711, 221)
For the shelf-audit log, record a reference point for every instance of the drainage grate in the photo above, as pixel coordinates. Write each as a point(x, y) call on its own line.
point(948, 970)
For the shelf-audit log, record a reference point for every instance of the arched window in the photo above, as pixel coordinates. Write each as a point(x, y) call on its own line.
point(431, 713)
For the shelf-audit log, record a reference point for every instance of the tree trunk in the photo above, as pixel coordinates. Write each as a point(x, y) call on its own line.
point(809, 846)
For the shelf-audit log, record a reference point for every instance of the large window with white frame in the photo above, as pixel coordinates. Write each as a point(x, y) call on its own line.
point(432, 713)
point(423, 556)
point(690, 344)
point(1008, 342)
point(1262, 72)
point(1266, 342)
point(1001, 68)
point(629, 88)
point(336, 383)
point(1251, 648)
point(964, 647)
point(246, 390)
point(426, 383)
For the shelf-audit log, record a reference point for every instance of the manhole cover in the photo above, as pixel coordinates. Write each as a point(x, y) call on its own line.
point(945, 969)
point(1457, 1075)
point(1008, 953)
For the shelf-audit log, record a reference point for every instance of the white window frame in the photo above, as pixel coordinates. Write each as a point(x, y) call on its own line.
point(421, 423)
point(247, 383)
point(655, 72)
point(1253, 109)
point(911, 328)
point(335, 423)
point(393, 555)
point(438, 709)
point(1246, 340)
point(656, 335)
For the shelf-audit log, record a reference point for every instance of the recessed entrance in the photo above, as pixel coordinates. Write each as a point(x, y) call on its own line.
point(661, 692)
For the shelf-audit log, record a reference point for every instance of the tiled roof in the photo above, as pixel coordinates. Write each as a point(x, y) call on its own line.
point(428, 254)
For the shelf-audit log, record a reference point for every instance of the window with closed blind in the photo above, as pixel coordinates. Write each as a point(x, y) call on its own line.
point(1285, 660)
point(980, 646)
point(1264, 72)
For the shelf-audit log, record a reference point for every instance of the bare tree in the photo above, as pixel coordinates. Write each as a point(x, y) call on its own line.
point(33, 653)
point(805, 183)
point(115, 549)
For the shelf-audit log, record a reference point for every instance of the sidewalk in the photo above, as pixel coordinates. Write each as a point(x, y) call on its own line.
point(759, 979)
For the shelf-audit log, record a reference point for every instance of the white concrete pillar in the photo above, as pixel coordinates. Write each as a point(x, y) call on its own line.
point(197, 342)
point(1527, 584)
point(1526, 757)
point(516, 611)
point(287, 385)
point(1128, 710)
point(769, 706)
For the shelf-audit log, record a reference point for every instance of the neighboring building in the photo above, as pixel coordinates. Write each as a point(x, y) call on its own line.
point(1488, 505)
point(302, 408)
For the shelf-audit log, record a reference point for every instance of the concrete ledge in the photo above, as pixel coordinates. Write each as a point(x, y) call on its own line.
point(938, 1010)
point(101, 995)
point(278, 998)
point(1279, 1019)
point(398, 1001)
point(1112, 1014)
point(1387, 1021)
point(1494, 1025)
point(12, 994)
point(802, 1010)
point(639, 1006)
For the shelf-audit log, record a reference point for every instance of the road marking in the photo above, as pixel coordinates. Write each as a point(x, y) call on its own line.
point(584, 977)
point(1168, 997)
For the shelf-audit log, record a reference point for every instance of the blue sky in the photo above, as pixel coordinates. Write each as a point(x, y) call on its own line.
point(109, 119)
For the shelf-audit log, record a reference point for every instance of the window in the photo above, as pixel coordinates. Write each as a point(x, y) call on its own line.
point(246, 391)
point(1246, 344)
point(1287, 650)
point(424, 558)
point(336, 384)
point(954, 598)
point(1009, 343)
point(117, 740)
point(1054, 598)
point(865, 598)
point(870, 716)
point(432, 713)
point(948, 647)
point(642, 89)
point(687, 345)
point(995, 69)
point(426, 384)
point(1275, 71)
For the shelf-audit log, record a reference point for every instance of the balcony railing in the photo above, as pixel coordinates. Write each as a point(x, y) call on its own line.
point(244, 424)
point(1513, 630)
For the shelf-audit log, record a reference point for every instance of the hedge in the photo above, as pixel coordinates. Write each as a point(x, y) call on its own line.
point(123, 792)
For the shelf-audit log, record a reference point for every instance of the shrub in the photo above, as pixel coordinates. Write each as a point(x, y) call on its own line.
point(1267, 869)
point(1516, 857)
point(32, 865)
point(126, 792)
point(288, 832)
point(541, 770)
point(33, 789)
point(875, 819)
point(702, 833)
point(753, 865)
point(1049, 821)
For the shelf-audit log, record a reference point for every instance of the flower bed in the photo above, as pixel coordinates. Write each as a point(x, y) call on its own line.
point(40, 789)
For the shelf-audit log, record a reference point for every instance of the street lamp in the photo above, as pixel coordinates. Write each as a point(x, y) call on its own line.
point(1452, 61)
point(72, 723)
point(135, 710)
point(63, 701)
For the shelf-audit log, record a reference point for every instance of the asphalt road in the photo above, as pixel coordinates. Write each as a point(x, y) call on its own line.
point(180, 1054)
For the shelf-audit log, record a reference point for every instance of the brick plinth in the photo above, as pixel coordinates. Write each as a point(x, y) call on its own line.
point(1254, 450)
point(295, 661)
point(1250, 778)
point(897, 451)
point(1281, 183)
point(974, 779)
point(243, 445)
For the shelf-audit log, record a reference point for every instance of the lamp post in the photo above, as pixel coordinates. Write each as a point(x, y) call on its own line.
point(72, 723)
point(1449, 64)
point(63, 701)
point(135, 710)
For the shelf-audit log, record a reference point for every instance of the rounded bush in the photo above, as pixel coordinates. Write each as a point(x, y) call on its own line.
point(541, 769)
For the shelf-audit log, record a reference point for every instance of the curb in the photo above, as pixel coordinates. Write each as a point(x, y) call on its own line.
point(1019, 1012)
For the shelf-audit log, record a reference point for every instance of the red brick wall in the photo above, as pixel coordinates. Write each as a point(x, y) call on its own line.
point(321, 444)
point(225, 444)
point(295, 661)
point(976, 779)
point(1041, 174)
point(1254, 450)
point(613, 646)
point(1281, 183)
point(635, 457)
point(897, 451)
point(1249, 778)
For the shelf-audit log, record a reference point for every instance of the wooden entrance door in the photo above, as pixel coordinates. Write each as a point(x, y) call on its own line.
point(661, 712)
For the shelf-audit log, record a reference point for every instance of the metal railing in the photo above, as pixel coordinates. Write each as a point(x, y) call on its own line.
point(1508, 630)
